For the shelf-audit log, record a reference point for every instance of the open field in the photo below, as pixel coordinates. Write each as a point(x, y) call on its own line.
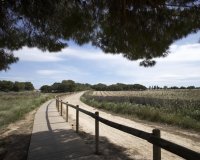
point(14, 105)
point(175, 107)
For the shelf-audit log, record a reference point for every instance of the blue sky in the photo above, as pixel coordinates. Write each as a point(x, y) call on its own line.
point(87, 64)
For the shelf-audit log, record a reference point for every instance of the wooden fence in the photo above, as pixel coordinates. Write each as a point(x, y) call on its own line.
point(153, 138)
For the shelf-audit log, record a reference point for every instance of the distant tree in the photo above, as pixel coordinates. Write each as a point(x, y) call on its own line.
point(19, 86)
point(165, 87)
point(174, 87)
point(114, 87)
point(65, 86)
point(28, 86)
point(56, 87)
point(68, 86)
point(99, 87)
point(46, 89)
point(191, 87)
point(138, 87)
point(6, 85)
point(82, 87)
point(71, 86)
point(118, 87)
point(182, 87)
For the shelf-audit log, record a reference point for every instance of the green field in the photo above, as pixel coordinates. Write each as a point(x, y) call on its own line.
point(14, 105)
point(175, 107)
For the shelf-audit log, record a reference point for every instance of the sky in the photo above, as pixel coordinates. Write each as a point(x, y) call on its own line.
point(88, 64)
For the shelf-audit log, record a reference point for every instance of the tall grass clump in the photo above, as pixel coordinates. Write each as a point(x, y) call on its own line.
point(184, 113)
point(13, 106)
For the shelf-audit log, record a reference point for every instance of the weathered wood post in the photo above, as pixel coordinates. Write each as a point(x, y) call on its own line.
point(97, 133)
point(156, 149)
point(77, 118)
point(61, 108)
point(58, 104)
point(67, 112)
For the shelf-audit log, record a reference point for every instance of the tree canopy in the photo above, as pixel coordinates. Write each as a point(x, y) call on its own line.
point(15, 86)
point(71, 86)
point(136, 29)
point(65, 86)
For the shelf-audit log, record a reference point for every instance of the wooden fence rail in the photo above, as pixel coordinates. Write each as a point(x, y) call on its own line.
point(153, 138)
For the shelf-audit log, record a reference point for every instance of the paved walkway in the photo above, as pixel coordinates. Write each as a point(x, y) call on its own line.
point(53, 139)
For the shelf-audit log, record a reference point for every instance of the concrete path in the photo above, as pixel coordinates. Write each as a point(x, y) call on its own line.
point(53, 139)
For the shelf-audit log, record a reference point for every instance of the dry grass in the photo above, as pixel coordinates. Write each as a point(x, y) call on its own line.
point(13, 106)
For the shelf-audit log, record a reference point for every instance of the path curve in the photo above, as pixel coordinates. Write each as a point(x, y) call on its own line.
point(136, 148)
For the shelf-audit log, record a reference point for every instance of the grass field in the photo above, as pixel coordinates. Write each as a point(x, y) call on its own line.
point(14, 105)
point(175, 107)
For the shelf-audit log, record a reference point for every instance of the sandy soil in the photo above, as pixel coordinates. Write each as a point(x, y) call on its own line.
point(135, 148)
point(15, 139)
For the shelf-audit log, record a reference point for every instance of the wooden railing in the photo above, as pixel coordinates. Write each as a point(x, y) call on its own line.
point(153, 138)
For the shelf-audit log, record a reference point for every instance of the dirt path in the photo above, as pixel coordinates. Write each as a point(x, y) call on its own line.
point(136, 148)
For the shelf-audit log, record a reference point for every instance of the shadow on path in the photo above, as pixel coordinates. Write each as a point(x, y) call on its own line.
point(55, 143)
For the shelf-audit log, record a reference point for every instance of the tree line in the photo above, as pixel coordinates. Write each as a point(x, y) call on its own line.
point(7, 86)
point(65, 86)
point(118, 87)
point(172, 87)
point(71, 86)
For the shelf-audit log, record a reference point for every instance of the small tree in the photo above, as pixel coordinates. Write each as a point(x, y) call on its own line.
point(19, 86)
point(191, 87)
point(28, 86)
point(165, 87)
point(182, 87)
point(46, 89)
point(6, 85)
point(68, 86)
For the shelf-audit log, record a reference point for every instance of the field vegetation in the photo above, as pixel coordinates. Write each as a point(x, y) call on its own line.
point(14, 105)
point(175, 107)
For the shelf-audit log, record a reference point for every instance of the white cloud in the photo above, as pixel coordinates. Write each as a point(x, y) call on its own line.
point(183, 53)
point(88, 54)
point(47, 72)
point(63, 72)
point(180, 67)
point(36, 55)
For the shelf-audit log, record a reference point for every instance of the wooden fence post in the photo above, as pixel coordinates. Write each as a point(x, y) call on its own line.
point(77, 118)
point(61, 108)
point(97, 133)
point(156, 149)
point(67, 114)
point(58, 104)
